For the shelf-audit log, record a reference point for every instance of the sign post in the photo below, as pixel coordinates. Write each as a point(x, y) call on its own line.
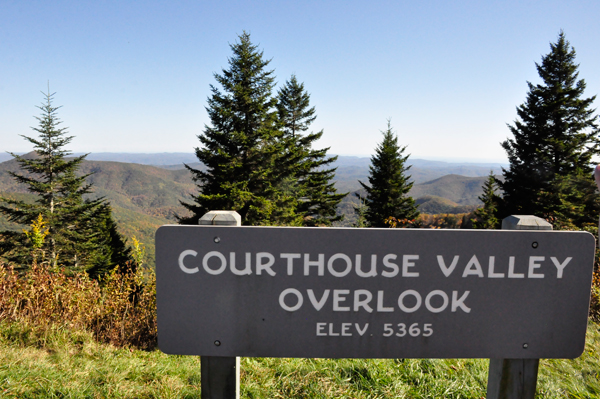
point(515, 378)
point(220, 376)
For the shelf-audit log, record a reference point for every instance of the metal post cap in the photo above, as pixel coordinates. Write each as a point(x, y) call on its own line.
point(221, 218)
point(525, 222)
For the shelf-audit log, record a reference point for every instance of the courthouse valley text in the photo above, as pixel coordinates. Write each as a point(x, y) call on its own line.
point(390, 266)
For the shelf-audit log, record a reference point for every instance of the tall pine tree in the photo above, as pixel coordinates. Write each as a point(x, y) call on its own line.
point(241, 147)
point(308, 177)
point(387, 192)
point(555, 138)
point(80, 233)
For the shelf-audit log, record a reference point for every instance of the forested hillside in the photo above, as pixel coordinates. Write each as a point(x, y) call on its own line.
point(144, 197)
point(350, 169)
point(447, 194)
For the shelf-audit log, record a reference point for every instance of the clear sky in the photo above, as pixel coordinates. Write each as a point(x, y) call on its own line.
point(133, 76)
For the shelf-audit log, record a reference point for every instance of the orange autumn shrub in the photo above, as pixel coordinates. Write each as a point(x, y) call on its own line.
point(120, 309)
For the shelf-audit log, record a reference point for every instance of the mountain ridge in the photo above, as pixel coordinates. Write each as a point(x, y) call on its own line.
point(143, 197)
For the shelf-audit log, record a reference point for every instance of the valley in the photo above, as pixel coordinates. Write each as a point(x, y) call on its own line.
point(144, 196)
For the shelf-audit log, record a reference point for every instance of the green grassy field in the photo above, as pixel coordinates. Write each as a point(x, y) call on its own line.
point(64, 364)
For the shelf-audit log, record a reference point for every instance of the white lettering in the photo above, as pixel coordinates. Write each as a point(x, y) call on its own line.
point(364, 303)
point(393, 266)
point(260, 266)
point(335, 272)
point(318, 305)
point(372, 272)
point(430, 307)
point(290, 262)
point(473, 268)
point(460, 302)
point(406, 263)
point(533, 265)
point(331, 333)
point(182, 266)
point(511, 269)
point(292, 291)
point(237, 272)
point(560, 266)
point(447, 270)
point(404, 295)
point(320, 264)
point(337, 298)
point(491, 273)
point(217, 255)
point(345, 328)
point(320, 327)
point(380, 307)
point(363, 331)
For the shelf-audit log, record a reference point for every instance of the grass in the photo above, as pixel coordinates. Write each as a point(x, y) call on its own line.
point(73, 365)
point(73, 337)
point(61, 363)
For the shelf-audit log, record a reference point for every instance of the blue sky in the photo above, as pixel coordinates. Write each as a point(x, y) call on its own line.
point(134, 76)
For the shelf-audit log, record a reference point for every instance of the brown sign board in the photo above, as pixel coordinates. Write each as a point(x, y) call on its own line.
point(372, 293)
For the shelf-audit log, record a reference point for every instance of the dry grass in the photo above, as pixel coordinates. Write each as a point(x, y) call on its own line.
point(595, 300)
point(120, 309)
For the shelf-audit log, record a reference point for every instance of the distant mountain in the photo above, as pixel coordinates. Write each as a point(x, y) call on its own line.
point(432, 205)
point(447, 194)
point(461, 189)
point(157, 159)
point(144, 197)
point(350, 169)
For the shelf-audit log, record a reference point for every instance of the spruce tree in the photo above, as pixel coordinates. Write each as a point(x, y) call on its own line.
point(293, 107)
point(242, 146)
point(485, 217)
point(109, 247)
point(555, 138)
point(77, 228)
point(308, 177)
point(387, 192)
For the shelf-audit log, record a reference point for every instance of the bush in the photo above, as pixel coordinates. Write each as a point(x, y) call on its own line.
point(119, 309)
point(595, 301)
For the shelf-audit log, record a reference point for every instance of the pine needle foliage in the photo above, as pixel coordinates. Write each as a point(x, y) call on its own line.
point(485, 217)
point(555, 138)
point(294, 108)
point(387, 192)
point(310, 179)
point(258, 160)
point(241, 148)
point(79, 234)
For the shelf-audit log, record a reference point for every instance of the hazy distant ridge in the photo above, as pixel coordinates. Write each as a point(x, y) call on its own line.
point(144, 197)
point(350, 169)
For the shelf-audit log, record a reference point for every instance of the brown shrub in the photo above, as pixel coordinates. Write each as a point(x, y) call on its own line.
point(120, 309)
point(595, 301)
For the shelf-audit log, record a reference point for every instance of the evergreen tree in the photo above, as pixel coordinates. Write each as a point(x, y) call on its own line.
point(242, 148)
point(361, 214)
point(308, 177)
point(293, 107)
point(77, 229)
point(485, 217)
point(110, 248)
point(387, 192)
point(555, 138)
